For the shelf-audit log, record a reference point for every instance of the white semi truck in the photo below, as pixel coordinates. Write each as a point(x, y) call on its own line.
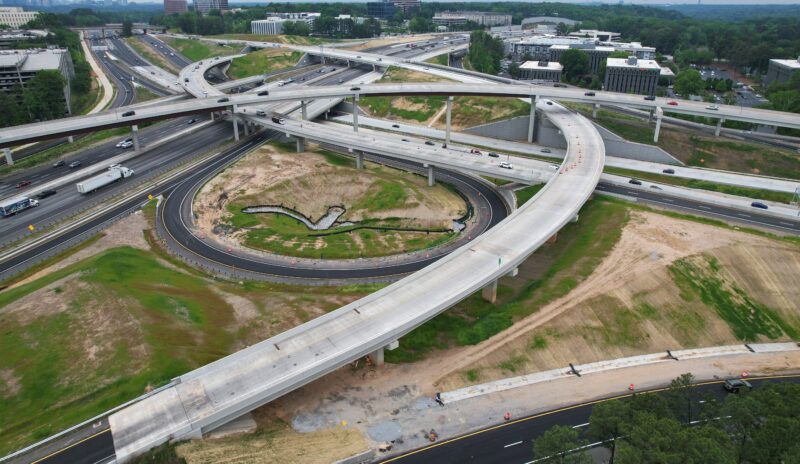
point(13, 206)
point(115, 172)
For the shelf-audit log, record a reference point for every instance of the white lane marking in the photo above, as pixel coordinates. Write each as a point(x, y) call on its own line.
point(580, 425)
point(744, 215)
point(513, 444)
point(704, 207)
point(786, 223)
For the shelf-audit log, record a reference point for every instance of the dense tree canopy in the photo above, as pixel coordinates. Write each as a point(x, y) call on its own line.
point(485, 52)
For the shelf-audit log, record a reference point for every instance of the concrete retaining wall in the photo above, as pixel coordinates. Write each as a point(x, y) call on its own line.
point(360, 458)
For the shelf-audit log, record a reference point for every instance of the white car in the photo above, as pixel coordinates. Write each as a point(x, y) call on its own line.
point(123, 142)
point(506, 165)
point(126, 144)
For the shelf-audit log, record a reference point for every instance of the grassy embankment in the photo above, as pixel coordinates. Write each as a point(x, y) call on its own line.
point(143, 95)
point(384, 190)
point(287, 39)
point(438, 59)
point(150, 55)
point(83, 103)
point(558, 268)
point(197, 50)
point(98, 332)
point(262, 62)
point(700, 149)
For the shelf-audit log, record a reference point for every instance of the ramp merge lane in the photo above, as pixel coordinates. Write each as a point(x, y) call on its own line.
point(214, 394)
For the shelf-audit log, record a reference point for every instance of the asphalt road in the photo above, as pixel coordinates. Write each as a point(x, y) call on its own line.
point(169, 53)
point(511, 443)
point(755, 217)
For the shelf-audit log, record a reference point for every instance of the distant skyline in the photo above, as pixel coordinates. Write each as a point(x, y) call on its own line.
point(609, 2)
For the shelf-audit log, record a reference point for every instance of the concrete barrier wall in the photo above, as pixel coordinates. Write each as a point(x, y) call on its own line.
point(360, 458)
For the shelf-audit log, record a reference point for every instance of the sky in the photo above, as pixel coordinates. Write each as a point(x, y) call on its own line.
point(627, 2)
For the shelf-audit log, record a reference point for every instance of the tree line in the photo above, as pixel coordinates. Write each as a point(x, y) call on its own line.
point(485, 52)
point(680, 425)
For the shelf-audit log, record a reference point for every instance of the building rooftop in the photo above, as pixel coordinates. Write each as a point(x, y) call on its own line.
point(794, 64)
point(553, 40)
point(542, 65)
point(583, 46)
point(666, 72)
point(632, 62)
point(32, 60)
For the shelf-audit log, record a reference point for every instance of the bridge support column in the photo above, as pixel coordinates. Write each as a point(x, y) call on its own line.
point(659, 115)
point(377, 356)
point(355, 113)
point(360, 160)
point(9, 158)
point(719, 127)
point(304, 109)
point(212, 115)
point(574, 219)
point(301, 144)
point(235, 120)
point(71, 139)
point(431, 175)
point(594, 110)
point(448, 119)
point(514, 272)
point(532, 119)
point(135, 135)
point(489, 292)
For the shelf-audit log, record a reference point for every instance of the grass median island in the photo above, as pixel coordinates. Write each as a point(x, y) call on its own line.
point(551, 272)
point(197, 50)
point(262, 62)
point(287, 39)
point(408, 108)
point(144, 49)
point(385, 211)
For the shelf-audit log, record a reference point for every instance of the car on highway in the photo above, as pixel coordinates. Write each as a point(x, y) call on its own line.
point(428, 142)
point(128, 114)
point(23, 183)
point(655, 187)
point(261, 113)
point(74, 164)
point(405, 140)
point(60, 163)
point(737, 385)
point(758, 204)
point(475, 151)
point(668, 171)
point(278, 120)
point(396, 126)
point(589, 94)
point(223, 100)
point(549, 102)
point(192, 121)
point(45, 193)
point(493, 155)
point(635, 182)
point(263, 93)
point(126, 144)
point(355, 89)
point(650, 98)
point(506, 165)
point(546, 150)
point(672, 103)
point(712, 107)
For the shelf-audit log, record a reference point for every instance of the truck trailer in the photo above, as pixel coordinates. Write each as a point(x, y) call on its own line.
point(115, 172)
point(15, 205)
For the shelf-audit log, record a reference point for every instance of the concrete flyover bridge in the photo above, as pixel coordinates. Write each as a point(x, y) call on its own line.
point(212, 395)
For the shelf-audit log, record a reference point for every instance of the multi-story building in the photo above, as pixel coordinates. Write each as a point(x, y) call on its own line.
point(15, 17)
point(269, 26)
point(632, 75)
point(460, 18)
point(781, 70)
point(10, 39)
point(174, 7)
point(204, 6)
point(540, 71)
point(633, 49)
point(538, 47)
point(597, 55)
point(19, 66)
point(406, 5)
point(382, 10)
point(546, 24)
point(603, 36)
point(302, 16)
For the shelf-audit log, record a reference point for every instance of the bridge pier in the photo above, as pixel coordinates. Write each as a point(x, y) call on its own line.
point(489, 292)
point(431, 175)
point(659, 115)
point(71, 139)
point(301, 144)
point(594, 110)
point(9, 158)
point(355, 113)
point(212, 115)
point(303, 109)
point(360, 160)
point(235, 120)
point(135, 136)
point(377, 356)
point(246, 128)
point(719, 127)
point(448, 118)
point(532, 119)
point(574, 219)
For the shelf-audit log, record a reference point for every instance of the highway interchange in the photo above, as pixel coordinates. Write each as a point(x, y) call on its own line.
point(215, 133)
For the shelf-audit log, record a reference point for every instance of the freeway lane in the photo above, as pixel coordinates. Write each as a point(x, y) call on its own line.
point(510, 443)
point(753, 217)
point(96, 449)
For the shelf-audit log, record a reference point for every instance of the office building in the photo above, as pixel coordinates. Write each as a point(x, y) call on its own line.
point(11, 39)
point(546, 24)
point(781, 70)
point(537, 48)
point(19, 66)
point(633, 49)
point(540, 71)
point(269, 26)
point(461, 18)
point(382, 10)
point(204, 6)
point(174, 7)
point(301, 16)
point(406, 5)
point(597, 55)
point(603, 36)
point(632, 75)
point(15, 17)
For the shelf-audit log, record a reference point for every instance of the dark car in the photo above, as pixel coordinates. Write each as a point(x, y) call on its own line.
point(59, 163)
point(396, 126)
point(223, 100)
point(589, 94)
point(263, 93)
point(758, 204)
point(192, 121)
point(355, 89)
point(428, 142)
point(737, 385)
point(186, 79)
point(635, 182)
point(650, 98)
point(546, 150)
point(128, 113)
point(23, 183)
point(74, 164)
point(45, 193)
point(549, 103)
point(668, 171)
point(493, 155)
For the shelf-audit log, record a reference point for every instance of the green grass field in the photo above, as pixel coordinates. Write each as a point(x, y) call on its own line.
point(525, 194)
point(262, 62)
point(147, 53)
point(578, 251)
point(197, 50)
